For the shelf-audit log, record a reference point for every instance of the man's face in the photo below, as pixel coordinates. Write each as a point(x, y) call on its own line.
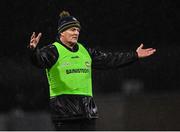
point(71, 35)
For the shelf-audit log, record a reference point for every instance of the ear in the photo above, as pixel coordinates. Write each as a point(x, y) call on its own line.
point(61, 34)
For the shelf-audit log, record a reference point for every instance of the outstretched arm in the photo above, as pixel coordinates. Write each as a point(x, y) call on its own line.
point(43, 57)
point(108, 60)
point(111, 60)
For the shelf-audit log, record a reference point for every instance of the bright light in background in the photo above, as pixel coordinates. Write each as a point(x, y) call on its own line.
point(132, 86)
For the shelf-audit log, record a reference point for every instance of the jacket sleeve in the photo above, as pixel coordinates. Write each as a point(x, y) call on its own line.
point(109, 60)
point(45, 57)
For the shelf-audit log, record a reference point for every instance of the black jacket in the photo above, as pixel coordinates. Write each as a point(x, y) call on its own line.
point(65, 107)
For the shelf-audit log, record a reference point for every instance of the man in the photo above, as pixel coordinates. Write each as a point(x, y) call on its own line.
point(68, 66)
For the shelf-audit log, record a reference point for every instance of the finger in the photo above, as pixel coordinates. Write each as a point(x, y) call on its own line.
point(149, 49)
point(152, 52)
point(39, 35)
point(33, 35)
point(141, 46)
point(32, 40)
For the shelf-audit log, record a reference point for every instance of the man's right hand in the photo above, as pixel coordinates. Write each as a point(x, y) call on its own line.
point(34, 40)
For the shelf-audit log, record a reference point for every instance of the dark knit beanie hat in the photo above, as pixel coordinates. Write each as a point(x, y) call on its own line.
point(67, 21)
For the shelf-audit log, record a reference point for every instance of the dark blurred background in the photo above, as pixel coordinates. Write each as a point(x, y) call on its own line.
point(142, 96)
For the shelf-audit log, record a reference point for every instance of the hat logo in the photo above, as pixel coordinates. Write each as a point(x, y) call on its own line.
point(74, 19)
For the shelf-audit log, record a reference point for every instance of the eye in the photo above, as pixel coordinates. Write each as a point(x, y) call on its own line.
point(78, 30)
point(75, 29)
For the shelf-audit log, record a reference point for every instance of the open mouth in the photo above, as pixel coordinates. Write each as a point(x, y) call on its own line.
point(75, 37)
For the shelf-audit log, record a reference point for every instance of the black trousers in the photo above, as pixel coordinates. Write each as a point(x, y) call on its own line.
point(75, 125)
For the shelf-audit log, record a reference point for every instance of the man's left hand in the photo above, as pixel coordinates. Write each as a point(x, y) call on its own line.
point(142, 53)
